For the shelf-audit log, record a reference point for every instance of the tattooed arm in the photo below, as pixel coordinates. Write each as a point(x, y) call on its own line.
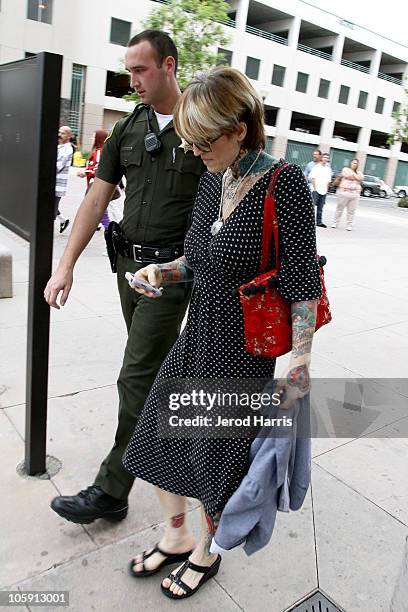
point(296, 381)
point(177, 271)
point(303, 327)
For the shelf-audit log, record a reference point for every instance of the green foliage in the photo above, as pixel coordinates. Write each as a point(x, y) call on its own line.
point(195, 27)
point(403, 203)
point(400, 129)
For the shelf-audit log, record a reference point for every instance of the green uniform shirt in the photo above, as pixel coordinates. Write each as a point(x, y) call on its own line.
point(160, 190)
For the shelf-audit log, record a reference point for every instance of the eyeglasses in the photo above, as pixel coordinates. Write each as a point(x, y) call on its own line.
point(205, 147)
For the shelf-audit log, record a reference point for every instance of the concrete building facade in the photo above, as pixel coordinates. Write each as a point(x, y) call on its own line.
point(326, 82)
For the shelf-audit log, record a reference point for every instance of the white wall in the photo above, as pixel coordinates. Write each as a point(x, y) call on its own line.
point(81, 30)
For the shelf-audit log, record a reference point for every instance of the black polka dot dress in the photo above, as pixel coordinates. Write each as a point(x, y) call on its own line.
point(212, 343)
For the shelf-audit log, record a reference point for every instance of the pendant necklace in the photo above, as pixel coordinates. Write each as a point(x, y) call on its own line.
point(217, 225)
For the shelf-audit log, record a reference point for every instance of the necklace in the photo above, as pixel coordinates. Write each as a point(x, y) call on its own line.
point(217, 225)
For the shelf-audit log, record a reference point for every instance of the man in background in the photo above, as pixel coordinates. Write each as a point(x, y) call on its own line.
point(320, 177)
point(64, 159)
point(317, 156)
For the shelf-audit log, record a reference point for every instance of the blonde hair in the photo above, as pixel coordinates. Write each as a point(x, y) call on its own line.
point(214, 103)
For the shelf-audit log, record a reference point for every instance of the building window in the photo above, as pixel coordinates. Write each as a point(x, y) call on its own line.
point(252, 68)
point(346, 131)
point(278, 75)
point(269, 144)
point(396, 106)
point(226, 59)
point(271, 114)
point(40, 10)
point(344, 94)
point(362, 100)
point(120, 32)
point(77, 97)
point(379, 139)
point(379, 107)
point(117, 85)
point(301, 82)
point(306, 124)
point(324, 87)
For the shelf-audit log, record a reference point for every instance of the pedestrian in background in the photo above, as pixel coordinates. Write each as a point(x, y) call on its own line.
point(92, 164)
point(348, 194)
point(74, 144)
point(64, 159)
point(317, 156)
point(320, 177)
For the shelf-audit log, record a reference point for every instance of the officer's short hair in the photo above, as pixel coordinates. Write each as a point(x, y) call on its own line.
point(214, 103)
point(161, 43)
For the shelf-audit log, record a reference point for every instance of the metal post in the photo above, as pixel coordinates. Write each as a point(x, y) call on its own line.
point(41, 265)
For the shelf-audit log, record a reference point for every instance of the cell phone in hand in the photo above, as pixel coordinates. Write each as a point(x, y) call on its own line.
point(135, 281)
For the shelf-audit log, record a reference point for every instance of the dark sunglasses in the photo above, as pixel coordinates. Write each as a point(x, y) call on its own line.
point(205, 147)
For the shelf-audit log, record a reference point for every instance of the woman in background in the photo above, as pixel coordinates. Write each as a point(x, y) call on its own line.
point(111, 213)
point(348, 194)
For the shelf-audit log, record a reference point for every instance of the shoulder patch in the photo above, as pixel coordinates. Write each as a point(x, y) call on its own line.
point(137, 108)
point(111, 132)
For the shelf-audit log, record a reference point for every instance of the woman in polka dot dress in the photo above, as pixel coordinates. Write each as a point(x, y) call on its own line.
point(220, 116)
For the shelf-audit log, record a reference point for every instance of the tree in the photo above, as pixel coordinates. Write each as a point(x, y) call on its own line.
point(400, 129)
point(195, 27)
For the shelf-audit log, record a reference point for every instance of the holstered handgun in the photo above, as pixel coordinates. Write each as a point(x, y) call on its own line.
point(112, 238)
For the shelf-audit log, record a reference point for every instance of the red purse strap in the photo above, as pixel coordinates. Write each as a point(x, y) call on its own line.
point(270, 222)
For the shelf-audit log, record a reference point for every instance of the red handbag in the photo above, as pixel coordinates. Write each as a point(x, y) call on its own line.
point(267, 315)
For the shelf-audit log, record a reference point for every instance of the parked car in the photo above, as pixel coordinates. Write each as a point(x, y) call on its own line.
point(401, 191)
point(371, 185)
point(386, 191)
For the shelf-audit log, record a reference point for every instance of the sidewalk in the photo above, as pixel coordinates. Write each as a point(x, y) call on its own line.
point(349, 536)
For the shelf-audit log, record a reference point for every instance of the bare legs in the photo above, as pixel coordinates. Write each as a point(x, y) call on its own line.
point(179, 539)
point(200, 556)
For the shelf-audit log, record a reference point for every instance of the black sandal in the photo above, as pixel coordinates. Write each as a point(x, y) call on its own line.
point(170, 559)
point(208, 572)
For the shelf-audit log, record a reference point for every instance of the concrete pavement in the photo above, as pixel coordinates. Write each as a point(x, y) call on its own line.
point(349, 536)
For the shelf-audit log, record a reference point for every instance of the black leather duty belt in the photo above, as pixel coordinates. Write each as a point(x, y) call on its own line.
point(149, 253)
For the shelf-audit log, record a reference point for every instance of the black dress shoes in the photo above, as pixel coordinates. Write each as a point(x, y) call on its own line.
point(90, 504)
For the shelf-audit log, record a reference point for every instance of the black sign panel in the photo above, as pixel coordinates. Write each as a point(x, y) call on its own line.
point(20, 90)
point(29, 115)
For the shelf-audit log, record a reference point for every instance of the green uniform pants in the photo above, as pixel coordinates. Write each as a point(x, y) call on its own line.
point(153, 326)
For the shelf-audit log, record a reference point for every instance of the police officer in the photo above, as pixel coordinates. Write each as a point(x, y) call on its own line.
point(161, 184)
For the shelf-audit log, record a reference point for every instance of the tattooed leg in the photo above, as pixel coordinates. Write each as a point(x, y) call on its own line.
point(201, 554)
point(177, 537)
point(177, 521)
point(211, 523)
